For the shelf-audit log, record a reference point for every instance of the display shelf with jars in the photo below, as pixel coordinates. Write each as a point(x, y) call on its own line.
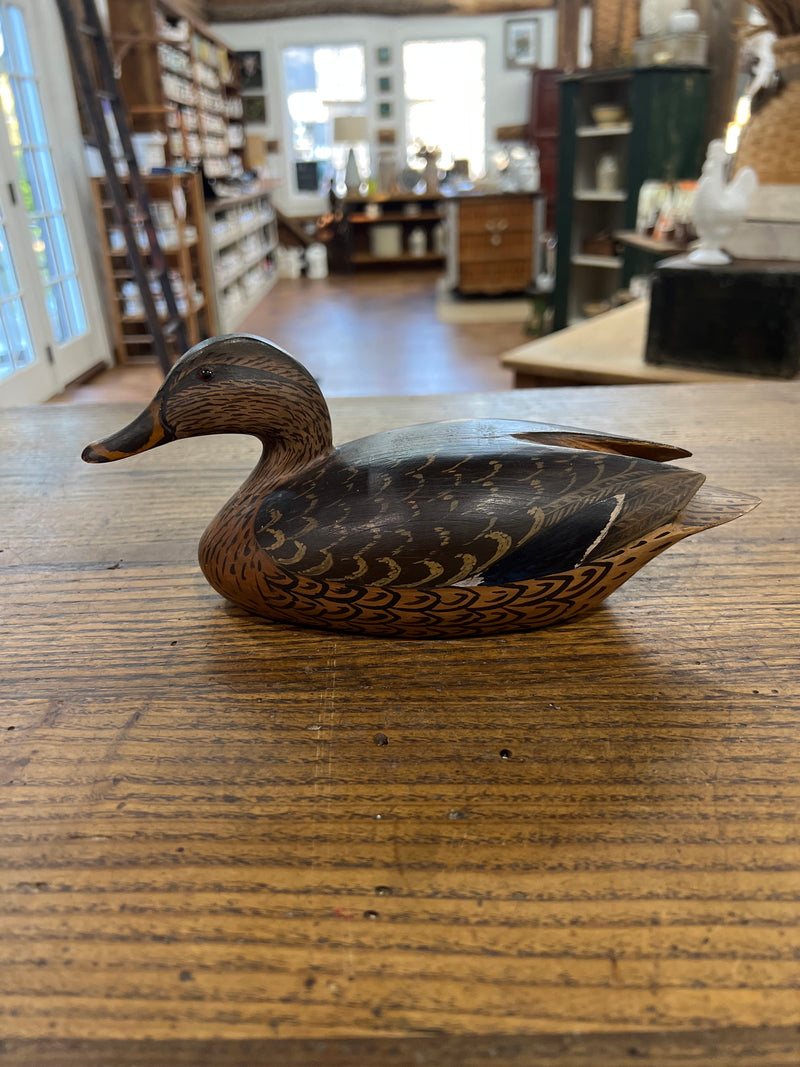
point(176, 203)
point(394, 230)
point(179, 82)
point(617, 129)
point(242, 241)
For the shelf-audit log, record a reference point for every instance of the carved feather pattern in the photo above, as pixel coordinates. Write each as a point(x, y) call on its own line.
point(392, 510)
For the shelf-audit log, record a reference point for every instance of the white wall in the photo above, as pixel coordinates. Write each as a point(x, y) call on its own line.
point(507, 91)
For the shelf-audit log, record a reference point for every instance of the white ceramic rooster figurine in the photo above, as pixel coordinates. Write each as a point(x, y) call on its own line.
point(719, 207)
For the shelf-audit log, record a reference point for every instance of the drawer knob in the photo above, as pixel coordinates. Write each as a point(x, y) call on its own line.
point(496, 227)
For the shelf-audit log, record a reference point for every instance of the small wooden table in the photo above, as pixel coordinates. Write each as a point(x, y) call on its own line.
point(231, 842)
point(606, 350)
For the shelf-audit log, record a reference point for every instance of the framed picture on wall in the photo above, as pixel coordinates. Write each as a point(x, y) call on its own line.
point(521, 43)
point(384, 84)
point(251, 70)
point(307, 177)
point(254, 109)
point(384, 109)
point(387, 137)
point(384, 56)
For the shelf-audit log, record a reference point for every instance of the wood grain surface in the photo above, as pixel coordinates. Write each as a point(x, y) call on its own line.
point(226, 841)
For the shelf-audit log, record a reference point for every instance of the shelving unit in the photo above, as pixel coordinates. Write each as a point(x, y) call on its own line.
point(178, 215)
point(662, 137)
point(179, 81)
point(243, 237)
point(361, 235)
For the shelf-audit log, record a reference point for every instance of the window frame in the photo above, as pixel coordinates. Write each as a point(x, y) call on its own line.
point(364, 149)
point(407, 101)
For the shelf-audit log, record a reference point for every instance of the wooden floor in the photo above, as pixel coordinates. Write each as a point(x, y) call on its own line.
point(360, 335)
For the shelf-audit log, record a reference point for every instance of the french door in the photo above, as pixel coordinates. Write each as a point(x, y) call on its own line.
point(51, 329)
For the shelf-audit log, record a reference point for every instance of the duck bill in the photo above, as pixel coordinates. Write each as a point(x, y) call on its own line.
point(145, 432)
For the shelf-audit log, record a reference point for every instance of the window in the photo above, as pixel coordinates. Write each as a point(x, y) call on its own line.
point(445, 89)
point(322, 84)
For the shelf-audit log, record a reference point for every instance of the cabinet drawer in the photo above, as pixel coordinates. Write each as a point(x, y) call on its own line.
point(512, 213)
point(495, 245)
point(501, 276)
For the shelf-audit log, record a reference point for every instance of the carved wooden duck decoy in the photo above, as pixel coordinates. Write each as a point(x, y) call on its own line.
point(441, 530)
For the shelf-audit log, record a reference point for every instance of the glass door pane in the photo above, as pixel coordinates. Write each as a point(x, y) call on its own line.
point(27, 134)
point(26, 376)
point(16, 347)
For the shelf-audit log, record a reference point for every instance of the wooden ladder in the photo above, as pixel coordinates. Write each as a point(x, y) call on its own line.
point(93, 72)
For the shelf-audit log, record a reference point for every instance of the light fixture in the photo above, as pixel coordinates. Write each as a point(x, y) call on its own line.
point(350, 130)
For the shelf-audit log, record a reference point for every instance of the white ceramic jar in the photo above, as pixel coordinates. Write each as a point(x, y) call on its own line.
point(607, 174)
point(654, 16)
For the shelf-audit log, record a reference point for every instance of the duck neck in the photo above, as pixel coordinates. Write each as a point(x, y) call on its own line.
point(227, 548)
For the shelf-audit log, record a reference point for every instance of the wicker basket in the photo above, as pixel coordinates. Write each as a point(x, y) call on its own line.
point(615, 26)
point(770, 142)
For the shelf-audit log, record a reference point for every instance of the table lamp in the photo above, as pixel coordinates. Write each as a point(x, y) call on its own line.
point(350, 130)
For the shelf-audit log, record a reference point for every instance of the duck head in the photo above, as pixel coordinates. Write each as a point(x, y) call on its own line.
point(232, 384)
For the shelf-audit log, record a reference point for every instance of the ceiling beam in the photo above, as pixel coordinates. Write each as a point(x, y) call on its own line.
point(260, 10)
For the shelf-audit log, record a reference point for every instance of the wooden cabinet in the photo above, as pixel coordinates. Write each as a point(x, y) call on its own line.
point(492, 242)
point(242, 239)
point(179, 81)
point(659, 134)
point(543, 133)
point(391, 230)
point(178, 215)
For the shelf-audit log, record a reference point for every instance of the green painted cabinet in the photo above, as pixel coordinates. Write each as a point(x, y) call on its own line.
point(657, 132)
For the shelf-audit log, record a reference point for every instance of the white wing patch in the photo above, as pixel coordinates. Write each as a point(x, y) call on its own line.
point(612, 518)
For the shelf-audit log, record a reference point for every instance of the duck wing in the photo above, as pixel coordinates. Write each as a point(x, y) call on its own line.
point(469, 501)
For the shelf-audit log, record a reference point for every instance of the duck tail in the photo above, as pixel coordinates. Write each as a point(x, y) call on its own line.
point(712, 506)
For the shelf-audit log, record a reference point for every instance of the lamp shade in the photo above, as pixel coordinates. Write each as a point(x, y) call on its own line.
point(350, 129)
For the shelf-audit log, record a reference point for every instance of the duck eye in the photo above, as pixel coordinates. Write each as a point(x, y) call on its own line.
point(206, 374)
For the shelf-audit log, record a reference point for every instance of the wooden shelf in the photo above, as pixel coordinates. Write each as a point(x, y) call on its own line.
point(261, 220)
point(230, 320)
point(619, 130)
point(393, 198)
point(356, 239)
point(144, 67)
point(121, 253)
point(144, 109)
point(163, 318)
point(359, 217)
point(242, 269)
point(245, 228)
point(649, 244)
point(583, 259)
point(404, 257)
point(616, 196)
point(188, 259)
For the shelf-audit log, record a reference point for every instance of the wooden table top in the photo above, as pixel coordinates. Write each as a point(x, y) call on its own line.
point(605, 350)
point(231, 842)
